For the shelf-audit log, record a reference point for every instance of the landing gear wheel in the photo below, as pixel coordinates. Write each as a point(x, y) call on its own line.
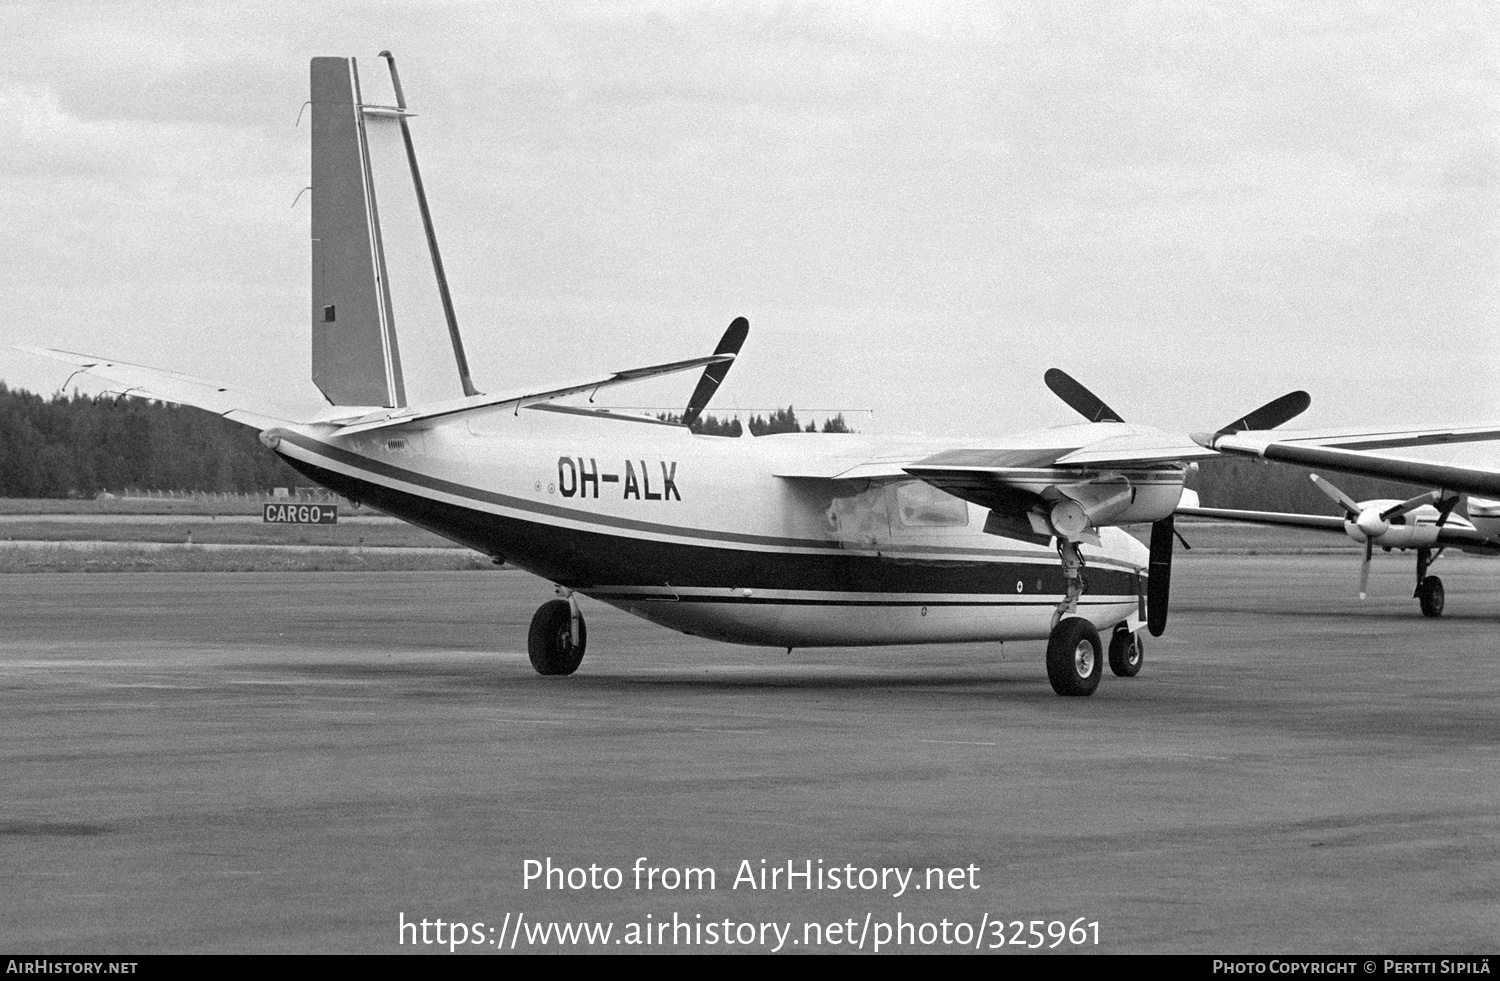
point(1127, 652)
point(550, 642)
point(1073, 657)
point(1430, 594)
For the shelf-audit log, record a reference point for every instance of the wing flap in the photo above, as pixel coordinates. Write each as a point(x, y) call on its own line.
point(1135, 450)
point(842, 470)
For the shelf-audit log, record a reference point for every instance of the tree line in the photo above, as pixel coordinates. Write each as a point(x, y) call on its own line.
point(80, 445)
point(780, 421)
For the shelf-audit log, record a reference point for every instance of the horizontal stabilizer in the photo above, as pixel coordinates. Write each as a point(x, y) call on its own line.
point(397, 417)
point(171, 386)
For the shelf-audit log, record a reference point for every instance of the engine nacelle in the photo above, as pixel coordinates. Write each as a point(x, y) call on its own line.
point(1118, 498)
point(1484, 515)
point(1415, 529)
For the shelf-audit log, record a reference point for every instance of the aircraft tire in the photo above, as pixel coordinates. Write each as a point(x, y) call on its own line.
point(1430, 594)
point(1127, 652)
point(549, 643)
point(1074, 661)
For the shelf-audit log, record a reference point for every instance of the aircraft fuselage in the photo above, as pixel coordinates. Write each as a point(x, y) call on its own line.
point(701, 535)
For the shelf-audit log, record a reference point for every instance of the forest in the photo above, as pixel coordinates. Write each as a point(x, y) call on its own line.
point(81, 446)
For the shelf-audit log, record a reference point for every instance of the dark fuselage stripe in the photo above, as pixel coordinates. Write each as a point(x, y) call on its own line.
point(628, 597)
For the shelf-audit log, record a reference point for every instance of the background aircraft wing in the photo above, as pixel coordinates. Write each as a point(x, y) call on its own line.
point(1314, 452)
point(124, 378)
point(1451, 535)
point(1321, 522)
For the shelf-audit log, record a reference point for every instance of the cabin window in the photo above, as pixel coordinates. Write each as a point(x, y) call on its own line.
point(921, 505)
point(861, 521)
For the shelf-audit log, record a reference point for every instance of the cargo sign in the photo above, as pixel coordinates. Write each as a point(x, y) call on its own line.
point(301, 514)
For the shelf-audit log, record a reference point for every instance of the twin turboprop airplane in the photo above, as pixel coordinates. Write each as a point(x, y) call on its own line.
point(1425, 523)
point(796, 540)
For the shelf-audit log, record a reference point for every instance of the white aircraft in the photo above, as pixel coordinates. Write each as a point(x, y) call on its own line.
point(797, 540)
point(1426, 523)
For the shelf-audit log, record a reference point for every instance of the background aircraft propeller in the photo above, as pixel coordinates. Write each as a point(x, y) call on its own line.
point(1373, 522)
point(713, 375)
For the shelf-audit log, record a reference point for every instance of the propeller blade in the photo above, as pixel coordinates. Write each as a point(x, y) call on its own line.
point(713, 375)
point(1159, 585)
point(1364, 569)
point(1431, 497)
point(1350, 506)
point(1272, 414)
point(1078, 398)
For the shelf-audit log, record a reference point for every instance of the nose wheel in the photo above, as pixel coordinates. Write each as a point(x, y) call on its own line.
point(1429, 591)
point(1430, 596)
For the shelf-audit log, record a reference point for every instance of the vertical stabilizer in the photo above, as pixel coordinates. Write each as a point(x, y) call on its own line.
point(355, 360)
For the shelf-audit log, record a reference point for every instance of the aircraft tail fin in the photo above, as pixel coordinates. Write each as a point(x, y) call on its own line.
point(355, 360)
point(374, 253)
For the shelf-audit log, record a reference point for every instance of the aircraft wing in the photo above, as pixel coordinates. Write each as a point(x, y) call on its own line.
point(1451, 535)
point(1322, 522)
point(124, 378)
point(1009, 479)
point(1334, 453)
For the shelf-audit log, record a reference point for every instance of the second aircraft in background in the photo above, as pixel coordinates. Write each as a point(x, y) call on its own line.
point(1426, 523)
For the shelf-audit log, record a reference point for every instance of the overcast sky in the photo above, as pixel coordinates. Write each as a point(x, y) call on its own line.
point(920, 206)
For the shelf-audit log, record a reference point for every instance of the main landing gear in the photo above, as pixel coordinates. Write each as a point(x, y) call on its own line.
point(1074, 660)
point(1127, 652)
point(1429, 591)
point(558, 635)
point(1073, 657)
point(1074, 665)
point(1074, 651)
